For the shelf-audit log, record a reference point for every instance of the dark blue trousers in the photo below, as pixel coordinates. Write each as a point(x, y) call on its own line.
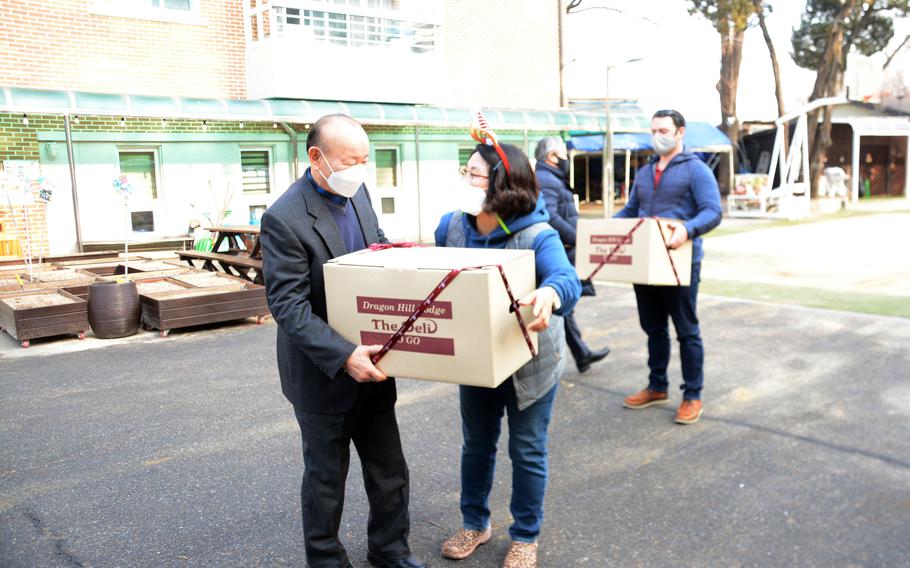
point(655, 305)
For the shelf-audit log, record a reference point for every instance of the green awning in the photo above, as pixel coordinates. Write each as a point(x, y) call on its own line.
point(35, 101)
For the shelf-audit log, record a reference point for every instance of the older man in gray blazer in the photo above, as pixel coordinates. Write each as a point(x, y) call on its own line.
point(338, 395)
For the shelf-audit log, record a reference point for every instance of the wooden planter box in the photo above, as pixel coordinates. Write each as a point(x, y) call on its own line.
point(137, 275)
point(9, 283)
point(80, 292)
point(196, 306)
point(202, 278)
point(36, 320)
point(156, 265)
point(106, 270)
point(45, 278)
point(75, 257)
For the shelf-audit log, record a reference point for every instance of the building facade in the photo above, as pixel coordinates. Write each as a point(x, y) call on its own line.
point(185, 98)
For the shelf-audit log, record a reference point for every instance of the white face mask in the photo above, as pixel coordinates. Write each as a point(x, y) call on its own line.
point(470, 198)
point(663, 144)
point(345, 182)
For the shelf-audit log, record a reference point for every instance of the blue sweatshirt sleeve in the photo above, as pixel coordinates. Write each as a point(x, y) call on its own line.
point(554, 270)
point(707, 201)
point(443, 229)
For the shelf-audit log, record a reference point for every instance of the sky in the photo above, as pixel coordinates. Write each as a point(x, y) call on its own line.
point(681, 58)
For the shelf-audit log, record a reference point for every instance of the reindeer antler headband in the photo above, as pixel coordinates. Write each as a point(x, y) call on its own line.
point(481, 131)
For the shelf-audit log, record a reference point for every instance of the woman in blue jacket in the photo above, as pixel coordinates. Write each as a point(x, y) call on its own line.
point(502, 208)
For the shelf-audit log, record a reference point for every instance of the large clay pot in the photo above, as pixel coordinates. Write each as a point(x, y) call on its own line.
point(113, 309)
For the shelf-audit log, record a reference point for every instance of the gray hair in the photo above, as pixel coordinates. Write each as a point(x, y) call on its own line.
point(548, 144)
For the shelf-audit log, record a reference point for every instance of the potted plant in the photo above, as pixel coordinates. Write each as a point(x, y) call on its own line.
point(113, 306)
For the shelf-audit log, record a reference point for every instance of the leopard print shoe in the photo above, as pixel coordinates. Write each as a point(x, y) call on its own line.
point(464, 542)
point(521, 555)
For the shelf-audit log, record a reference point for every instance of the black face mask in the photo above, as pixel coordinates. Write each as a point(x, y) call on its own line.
point(563, 166)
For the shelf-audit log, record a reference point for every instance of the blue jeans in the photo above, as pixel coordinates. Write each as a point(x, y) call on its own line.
point(655, 305)
point(481, 417)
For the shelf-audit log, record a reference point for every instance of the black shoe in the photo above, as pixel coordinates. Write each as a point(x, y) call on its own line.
point(587, 288)
point(585, 362)
point(409, 562)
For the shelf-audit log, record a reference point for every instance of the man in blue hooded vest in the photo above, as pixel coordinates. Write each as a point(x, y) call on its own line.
point(676, 184)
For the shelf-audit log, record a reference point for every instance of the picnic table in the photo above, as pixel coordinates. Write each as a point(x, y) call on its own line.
point(235, 251)
point(240, 239)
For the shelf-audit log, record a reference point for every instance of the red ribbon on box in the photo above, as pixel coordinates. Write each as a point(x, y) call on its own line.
point(384, 246)
point(628, 237)
point(409, 323)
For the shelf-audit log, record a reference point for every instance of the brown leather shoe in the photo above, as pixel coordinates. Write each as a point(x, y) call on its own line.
point(464, 542)
point(644, 399)
point(521, 555)
point(689, 412)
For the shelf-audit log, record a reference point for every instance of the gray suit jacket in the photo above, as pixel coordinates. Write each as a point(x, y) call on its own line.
point(298, 235)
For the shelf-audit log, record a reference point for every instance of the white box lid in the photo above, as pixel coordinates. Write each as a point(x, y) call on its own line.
point(433, 258)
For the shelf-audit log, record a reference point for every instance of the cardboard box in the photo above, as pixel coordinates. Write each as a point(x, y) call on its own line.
point(640, 260)
point(467, 336)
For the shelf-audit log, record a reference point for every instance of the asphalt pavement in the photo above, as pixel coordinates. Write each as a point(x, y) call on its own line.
point(181, 452)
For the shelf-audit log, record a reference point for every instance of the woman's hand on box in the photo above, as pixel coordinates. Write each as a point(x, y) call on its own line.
point(544, 299)
point(361, 368)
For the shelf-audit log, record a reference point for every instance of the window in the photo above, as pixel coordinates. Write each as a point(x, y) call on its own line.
point(185, 5)
point(254, 167)
point(464, 154)
point(140, 170)
point(353, 23)
point(175, 11)
point(256, 212)
point(143, 221)
point(386, 167)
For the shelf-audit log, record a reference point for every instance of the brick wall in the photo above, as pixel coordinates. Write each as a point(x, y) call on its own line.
point(498, 54)
point(502, 54)
point(62, 45)
point(20, 142)
point(37, 226)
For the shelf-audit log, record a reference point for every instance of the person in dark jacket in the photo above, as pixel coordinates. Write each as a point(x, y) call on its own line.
point(339, 396)
point(552, 171)
point(676, 184)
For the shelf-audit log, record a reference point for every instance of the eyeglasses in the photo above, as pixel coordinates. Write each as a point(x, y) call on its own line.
point(469, 176)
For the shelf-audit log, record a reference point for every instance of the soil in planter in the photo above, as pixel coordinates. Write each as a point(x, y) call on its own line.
point(58, 275)
point(146, 288)
point(11, 281)
point(189, 293)
point(207, 279)
point(36, 301)
point(153, 266)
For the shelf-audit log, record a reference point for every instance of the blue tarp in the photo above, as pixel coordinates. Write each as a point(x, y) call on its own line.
point(698, 135)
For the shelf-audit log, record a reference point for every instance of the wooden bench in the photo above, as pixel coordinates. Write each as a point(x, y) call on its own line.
point(234, 264)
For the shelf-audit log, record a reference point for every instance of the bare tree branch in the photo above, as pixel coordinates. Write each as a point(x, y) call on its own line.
point(572, 8)
point(896, 51)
